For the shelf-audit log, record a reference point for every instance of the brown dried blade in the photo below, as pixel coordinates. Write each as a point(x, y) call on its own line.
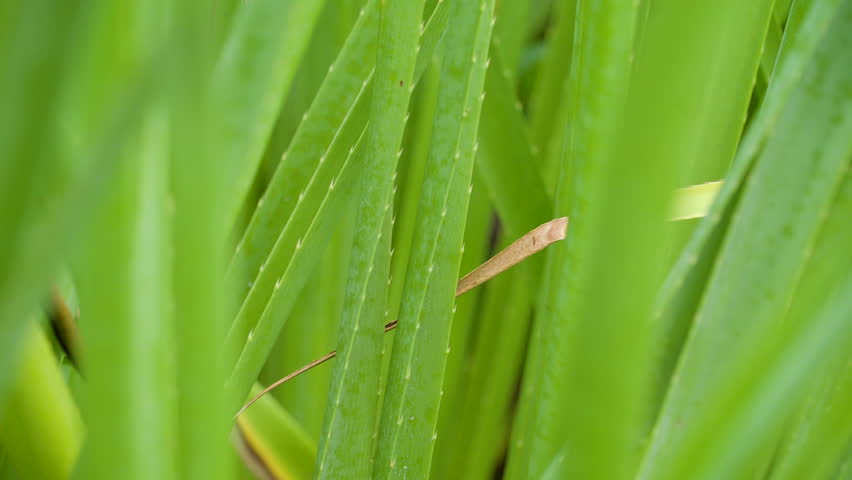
point(531, 243)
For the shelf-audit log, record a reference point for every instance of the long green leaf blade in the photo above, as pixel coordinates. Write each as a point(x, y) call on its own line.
point(250, 82)
point(197, 184)
point(476, 247)
point(822, 429)
point(129, 403)
point(495, 368)
point(783, 207)
point(586, 363)
point(311, 332)
point(767, 391)
point(350, 453)
point(292, 251)
point(551, 81)
point(508, 161)
point(338, 98)
point(341, 95)
point(280, 446)
point(258, 324)
point(40, 427)
point(410, 410)
point(681, 292)
point(34, 174)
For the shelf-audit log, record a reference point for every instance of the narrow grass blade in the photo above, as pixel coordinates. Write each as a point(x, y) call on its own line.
point(258, 324)
point(496, 366)
point(817, 438)
point(510, 32)
point(289, 241)
point(332, 118)
point(129, 402)
point(258, 63)
point(197, 185)
point(34, 175)
point(681, 292)
point(552, 79)
point(40, 426)
point(356, 380)
point(98, 158)
point(715, 58)
point(311, 331)
point(783, 206)
point(293, 243)
point(336, 20)
point(334, 108)
point(508, 164)
point(507, 258)
point(771, 44)
point(552, 151)
point(356, 350)
point(586, 363)
point(410, 409)
point(273, 441)
point(771, 48)
point(411, 168)
point(819, 434)
point(767, 392)
point(822, 431)
point(477, 244)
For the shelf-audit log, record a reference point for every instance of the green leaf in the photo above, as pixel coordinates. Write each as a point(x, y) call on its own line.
point(346, 443)
point(819, 434)
point(580, 362)
point(410, 409)
point(343, 94)
point(129, 403)
point(767, 392)
point(276, 440)
point(412, 165)
point(681, 292)
point(336, 21)
point(494, 371)
point(510, 31)
point(716, 58)
point(547, 96)
point(767, 245)
point(311, 332)
point(818, 441)
point(35, 177)
point(508, 163)
point(40, 426)
point(464, 331)
point(259, 322)
point(250, 82)
point(197, 187)
point(293, 253)
point(353, 386)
